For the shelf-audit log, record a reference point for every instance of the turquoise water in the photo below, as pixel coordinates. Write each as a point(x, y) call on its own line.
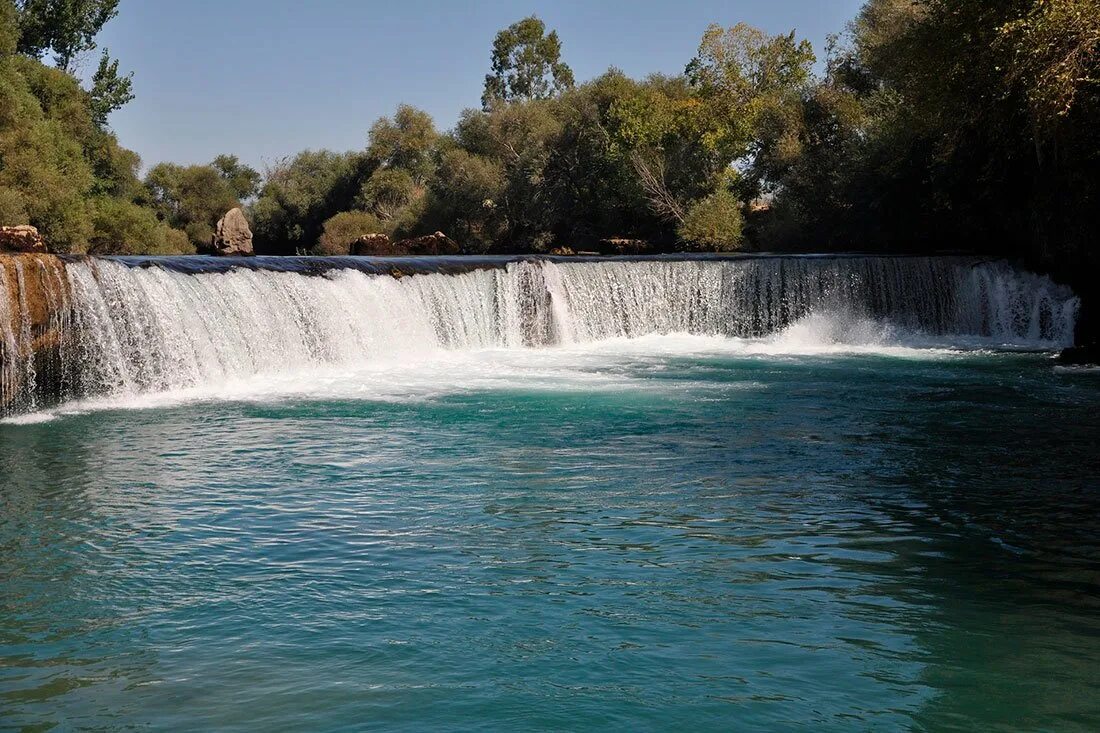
point(665, 534)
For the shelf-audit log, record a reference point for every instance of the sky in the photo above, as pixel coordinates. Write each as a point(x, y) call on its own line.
point(264, 79)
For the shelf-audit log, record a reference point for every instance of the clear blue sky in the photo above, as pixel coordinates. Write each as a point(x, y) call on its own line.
point(267, 78)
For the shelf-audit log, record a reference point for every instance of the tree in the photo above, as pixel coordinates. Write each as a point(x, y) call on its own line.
point(341, 231)
point(743, 63)
point(407, 141)
point(243, 180)
point(9, 28)
point(109, 90)
point(526, 64)
point(191, 198)
point(713, 223)
point(1055, 54)
point(67, 27)
point(301, 193)
point(463, 199)
point(387, 192)
point(121, 227)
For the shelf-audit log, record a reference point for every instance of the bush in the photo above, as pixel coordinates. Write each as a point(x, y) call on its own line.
point(343, 229)
point(387, 192)
point(121, 227)
point(713, 224)
point(12, 209)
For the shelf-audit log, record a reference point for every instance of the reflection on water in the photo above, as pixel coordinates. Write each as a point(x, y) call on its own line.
point(795, 543)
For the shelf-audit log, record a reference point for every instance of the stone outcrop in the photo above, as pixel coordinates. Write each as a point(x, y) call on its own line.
point(22, 238)
point(379, 245)
point(432, 244)
point(34, 312)
point(232, 237)
point(620, 246)
point(372, 245)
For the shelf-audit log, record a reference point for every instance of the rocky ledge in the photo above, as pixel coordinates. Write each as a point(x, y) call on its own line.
point(379, 245)
point(34, 310)
point(22, 238)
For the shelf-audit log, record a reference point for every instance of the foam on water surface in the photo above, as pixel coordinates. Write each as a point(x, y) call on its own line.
point(150, 336)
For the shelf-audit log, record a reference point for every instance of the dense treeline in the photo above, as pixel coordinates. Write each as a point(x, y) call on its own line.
point(931, 124)
point(61, 168)
point(548, 163)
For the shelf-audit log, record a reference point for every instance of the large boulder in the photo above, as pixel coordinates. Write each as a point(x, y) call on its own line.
point(432, 244)
point(22, 238)
point(372, 245)
point(232, 237)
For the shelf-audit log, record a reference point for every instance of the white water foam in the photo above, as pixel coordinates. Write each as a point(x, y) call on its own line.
point(148, 337)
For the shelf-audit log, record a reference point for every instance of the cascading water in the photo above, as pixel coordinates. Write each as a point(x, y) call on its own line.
point(128, 329)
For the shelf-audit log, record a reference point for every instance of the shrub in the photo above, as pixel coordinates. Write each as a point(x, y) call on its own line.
point(122, 227)
point(343, 229)
point(713, 223)
point(12, 209)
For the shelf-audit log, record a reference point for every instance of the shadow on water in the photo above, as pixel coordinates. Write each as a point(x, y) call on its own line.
point(998, 472)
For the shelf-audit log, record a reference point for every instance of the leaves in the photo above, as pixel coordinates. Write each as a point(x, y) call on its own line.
point(526, 64)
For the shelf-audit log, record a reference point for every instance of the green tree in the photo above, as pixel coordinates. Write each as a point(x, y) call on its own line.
point(713, 223)
point(9, 28)
point(743, 63)
point(122, 227)
point(406, 141)
point(341, 230)
point(67, 27)
point(301, 193)
point(526, 64)
point(109, 90)
point(191, 198)
point(1055, 54)
point(243, 180)
point(387, 192)
point(463, 198)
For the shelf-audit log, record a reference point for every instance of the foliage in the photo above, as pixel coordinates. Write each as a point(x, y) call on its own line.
point(67, 27)
point(1055, 54)
point(122, 227)
point(109, 90)
point(713, 223)
point(191, 198)
point(463, 198)
point(341, 230)
point(9, 28)
point(243, 180)
point(407, 141)
point(526, 64)
point(299, 194)
point(387, 192)
point(935, 124)
point(742, 64)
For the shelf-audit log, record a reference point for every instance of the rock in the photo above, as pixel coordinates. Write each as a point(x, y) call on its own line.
point(372, 245)
point(621, 246)
point(232, 237)
point(432, 244)
point(22, 238)
point(34, 303)
point(1087, 355)
point(562, 252)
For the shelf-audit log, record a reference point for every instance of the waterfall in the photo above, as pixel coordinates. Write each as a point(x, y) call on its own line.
point(115, 327)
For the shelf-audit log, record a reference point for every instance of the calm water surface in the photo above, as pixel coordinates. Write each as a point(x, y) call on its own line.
point(635, 539)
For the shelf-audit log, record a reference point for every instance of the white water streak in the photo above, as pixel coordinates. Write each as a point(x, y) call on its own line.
point(141, 330)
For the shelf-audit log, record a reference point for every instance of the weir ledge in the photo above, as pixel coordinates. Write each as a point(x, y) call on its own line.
point(52, 349)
